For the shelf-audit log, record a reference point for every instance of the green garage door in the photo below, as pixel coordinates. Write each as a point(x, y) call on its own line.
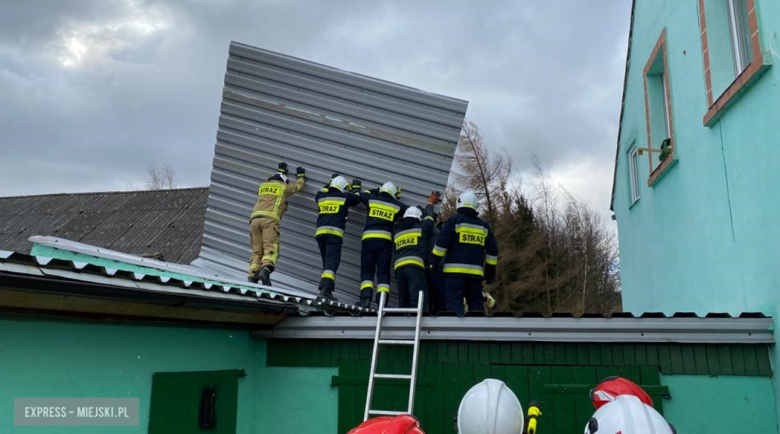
point(194, 402)
point(562, 390)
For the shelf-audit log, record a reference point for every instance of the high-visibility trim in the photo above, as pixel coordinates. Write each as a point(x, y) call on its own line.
point(474, 270)
point(468, 227)
point(383, 287)
point(439, 251)
point(366, 284)
point(382, 235)
point(329, 230)
point(384, 206)
point(263, 213)
point(329, 274)
point(491, 260)
point(330, 200)
point(409, 260)
point(428, 218)
point(407, 232)
point(254, 267)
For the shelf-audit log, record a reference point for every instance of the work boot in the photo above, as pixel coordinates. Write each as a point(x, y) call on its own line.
point(253, 277)
point(364, 302)
point(264, 276)
point(327, 294)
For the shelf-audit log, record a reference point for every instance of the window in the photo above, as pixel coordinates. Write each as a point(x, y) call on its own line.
point(658, 112)
point(731, 51)
point(633, 173)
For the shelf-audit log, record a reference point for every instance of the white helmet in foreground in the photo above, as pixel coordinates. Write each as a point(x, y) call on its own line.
point(490, 407)
point(339, 182)
point(389, 187)
point(413, 212)
point(628, 415)
point(468, 199)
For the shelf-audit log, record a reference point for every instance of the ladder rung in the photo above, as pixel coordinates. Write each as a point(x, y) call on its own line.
point(394, 376)
point(396, 342)
point(400, 310)
point(386, 413)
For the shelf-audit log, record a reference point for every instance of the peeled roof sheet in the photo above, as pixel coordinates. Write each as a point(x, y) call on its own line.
point(276, 107)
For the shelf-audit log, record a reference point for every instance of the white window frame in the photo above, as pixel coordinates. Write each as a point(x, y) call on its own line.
point(738, 35)
point(633, 173)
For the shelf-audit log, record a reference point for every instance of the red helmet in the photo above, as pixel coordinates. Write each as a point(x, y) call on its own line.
point(404, 424)
point(612, 387)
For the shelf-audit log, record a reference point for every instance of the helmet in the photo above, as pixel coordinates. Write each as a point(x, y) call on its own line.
point(413, 212)
point(490, 407)
point(404, 424)
point(340, 183)
point(629, 415)
point(389, 188)
point(612, 387)
point(468, 200)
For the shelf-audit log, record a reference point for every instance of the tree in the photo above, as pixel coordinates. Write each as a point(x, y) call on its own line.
point(160, 178)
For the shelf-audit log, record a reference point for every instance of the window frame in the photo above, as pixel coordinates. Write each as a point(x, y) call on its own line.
point(660, 49)
point(717, 104)
point(633, 173)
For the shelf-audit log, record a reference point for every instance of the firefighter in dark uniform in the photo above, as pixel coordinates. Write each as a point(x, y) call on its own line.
point(333, 201)
point(411, 253)
point(384, 209)
point(468, 248)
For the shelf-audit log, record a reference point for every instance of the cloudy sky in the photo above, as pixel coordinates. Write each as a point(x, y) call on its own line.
point(92, 91)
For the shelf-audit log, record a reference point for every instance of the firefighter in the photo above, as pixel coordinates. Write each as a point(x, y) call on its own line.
point(384, 209)
point(628, 414)
point(333, 201)
point(411, 253)
point(468, 248)
point(264, 222)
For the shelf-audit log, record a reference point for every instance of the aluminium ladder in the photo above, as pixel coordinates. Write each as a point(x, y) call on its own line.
point(379, 341)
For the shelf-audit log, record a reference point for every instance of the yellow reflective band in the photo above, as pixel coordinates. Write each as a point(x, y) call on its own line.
point(409, 262)
point(367, 285)
point(328, 275)
point(328, 232)
point(268, 214)
point(383, 288)
point(268, 188)
point(471, 230)
point(438, 251)
point(463, 271)
point(428, 218)
point(406, 240)
point(329, 207)
point(381, 236)
point(491, 260)
point(377, 212)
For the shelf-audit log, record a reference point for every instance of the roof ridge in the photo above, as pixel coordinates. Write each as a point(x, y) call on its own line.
point(93, 193)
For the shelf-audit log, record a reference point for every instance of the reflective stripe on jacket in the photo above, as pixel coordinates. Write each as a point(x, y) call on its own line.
point(333, 208)
point(410, 242)
point(383, 212)
point(468, 246)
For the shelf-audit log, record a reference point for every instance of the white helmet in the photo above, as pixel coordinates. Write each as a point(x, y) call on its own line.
point(389, 187)
point(490, 407)
point(628, 414)
point(468, 199)
point(284, 177)
point(339, 182)
point(414, 212)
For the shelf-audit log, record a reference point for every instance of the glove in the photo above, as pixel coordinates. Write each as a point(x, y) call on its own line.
point(398, 193)
point(300, 172)
point(356, 184)
point(488, 300)
point(434, 197)
point(282, 167)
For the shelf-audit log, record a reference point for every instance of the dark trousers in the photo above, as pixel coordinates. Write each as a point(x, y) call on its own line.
point(375, 257)
point(411, 280)
point(437, 300)
point(459, 287)
point(330, 250)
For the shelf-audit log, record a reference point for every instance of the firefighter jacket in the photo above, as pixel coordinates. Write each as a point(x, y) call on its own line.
point(411, 242)
point(468, 246)
point(272, 197)
point(333, 210)
point(383, 211)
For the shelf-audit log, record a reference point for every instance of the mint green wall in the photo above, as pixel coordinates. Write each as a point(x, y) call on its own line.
point(708, 404)
point(66, 359)
point(705, 237)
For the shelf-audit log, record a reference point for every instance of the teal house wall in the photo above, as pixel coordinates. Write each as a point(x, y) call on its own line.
point(703, 237)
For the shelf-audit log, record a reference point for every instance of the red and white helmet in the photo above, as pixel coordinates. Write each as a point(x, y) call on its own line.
point(626, 414)
point(612, 387)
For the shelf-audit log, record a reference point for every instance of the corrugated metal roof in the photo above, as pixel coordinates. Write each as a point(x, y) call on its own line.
point(276, 107)
point(680, 328)
point(167, 222)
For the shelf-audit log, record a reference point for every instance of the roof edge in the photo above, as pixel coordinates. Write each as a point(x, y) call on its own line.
point(95, 193)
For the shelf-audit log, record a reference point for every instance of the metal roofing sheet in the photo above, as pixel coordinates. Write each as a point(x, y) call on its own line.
point(276, 107)
point(681, 329)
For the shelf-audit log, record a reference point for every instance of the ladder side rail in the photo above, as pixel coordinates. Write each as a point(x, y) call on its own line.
point(416, 350)
point(370, 392)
